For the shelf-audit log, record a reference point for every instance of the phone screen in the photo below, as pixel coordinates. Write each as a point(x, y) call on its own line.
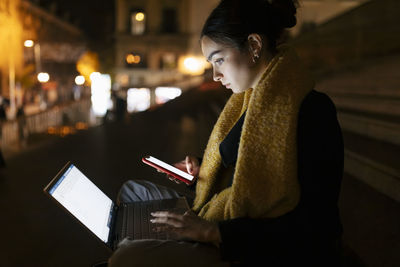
point(170, 168)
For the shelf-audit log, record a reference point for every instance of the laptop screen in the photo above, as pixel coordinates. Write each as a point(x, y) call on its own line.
point(84, 200)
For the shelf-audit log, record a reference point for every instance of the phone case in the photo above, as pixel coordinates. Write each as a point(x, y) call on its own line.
point(175, 175)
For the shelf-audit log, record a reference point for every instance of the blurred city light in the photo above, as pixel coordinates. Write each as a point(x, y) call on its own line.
point(43, 77)
point(79, 80)
point(165, 94)
point(139, 16)
point(81, 126)
point(29, 43)
point(137, 59)
point(133, 59)
point(87, 64)
point(138, 99)
point(94, 76)
point(101, 93)
point(192, 65)
point(138, 23)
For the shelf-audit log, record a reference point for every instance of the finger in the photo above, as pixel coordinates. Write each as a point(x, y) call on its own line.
point(167, 214)
point(173, 179)
point(189, 165)
point(168, 221)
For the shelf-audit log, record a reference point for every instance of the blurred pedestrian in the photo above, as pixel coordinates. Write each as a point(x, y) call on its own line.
point(3, 118)
point(3, 107)
point(120, 105)
point(22, 131)
point(268, 182)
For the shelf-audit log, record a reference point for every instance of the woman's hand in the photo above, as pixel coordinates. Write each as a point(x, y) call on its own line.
point(188, 225)
point(190, 165)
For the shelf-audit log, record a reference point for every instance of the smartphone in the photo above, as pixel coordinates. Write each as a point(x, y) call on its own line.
point(169, 169)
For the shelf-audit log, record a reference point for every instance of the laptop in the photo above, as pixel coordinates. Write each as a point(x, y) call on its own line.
point(108, 222)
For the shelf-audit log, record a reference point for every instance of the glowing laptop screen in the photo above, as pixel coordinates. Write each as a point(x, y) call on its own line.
point(84, 200)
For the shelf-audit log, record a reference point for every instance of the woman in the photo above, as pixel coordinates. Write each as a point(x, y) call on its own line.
point(268, 183)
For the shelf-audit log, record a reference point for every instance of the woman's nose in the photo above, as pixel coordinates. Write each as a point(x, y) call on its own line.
point(217, 75)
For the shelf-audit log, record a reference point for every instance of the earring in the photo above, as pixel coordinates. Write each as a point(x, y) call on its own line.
point(255, 58)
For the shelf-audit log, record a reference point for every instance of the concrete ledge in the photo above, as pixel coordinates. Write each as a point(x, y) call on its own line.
point(372, 104)
point(374, 128)
point(382, 178)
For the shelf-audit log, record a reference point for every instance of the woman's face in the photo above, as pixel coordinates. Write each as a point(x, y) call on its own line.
point(231, 67)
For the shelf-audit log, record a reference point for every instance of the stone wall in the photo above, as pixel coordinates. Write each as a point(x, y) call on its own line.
point(356, 60)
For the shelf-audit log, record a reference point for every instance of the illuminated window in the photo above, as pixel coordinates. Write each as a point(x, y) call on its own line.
point(138, 22)
point(101, 94)
point(138, 99)
point(165, 94)
point(135, 60)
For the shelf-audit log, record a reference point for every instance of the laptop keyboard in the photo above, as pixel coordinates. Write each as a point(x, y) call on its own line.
point(136, 223)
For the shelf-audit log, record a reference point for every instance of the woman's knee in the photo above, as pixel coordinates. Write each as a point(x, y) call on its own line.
point(142, 190)
point(165, 253)
point(125, 255)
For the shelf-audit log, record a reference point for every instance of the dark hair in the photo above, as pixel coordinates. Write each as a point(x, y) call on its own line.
point(232, 21)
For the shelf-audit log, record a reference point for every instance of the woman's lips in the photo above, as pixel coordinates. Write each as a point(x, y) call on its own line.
point(227, 85)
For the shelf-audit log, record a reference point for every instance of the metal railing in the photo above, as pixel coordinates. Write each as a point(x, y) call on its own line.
point(14, 131)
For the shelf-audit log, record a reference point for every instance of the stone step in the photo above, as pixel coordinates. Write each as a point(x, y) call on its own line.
point(375, 162)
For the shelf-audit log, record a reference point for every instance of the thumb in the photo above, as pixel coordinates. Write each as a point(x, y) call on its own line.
point(189, 165)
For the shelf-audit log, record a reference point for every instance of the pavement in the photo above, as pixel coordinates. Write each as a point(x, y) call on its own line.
point(36, 232)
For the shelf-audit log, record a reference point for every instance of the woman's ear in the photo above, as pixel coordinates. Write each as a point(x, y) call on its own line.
point(255, 42)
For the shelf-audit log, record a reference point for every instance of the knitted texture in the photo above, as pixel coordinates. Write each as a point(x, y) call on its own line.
point(265, 180)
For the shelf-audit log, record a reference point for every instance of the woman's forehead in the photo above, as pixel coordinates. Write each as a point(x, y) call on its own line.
point(210, 47)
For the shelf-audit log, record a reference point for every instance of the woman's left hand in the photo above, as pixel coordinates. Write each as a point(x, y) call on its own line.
point(188, 225)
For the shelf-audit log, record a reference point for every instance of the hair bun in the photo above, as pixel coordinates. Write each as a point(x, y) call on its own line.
point(285, 11)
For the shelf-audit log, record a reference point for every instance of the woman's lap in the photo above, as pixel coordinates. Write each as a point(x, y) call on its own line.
point(159, 252)
point(165, 253)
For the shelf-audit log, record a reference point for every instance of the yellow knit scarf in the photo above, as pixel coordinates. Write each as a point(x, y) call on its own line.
point(265, 180)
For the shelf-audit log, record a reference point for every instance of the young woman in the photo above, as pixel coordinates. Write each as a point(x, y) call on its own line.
point(269, 180)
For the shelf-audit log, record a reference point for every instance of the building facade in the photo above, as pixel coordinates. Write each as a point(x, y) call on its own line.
point(56, 45)
point(153, 37)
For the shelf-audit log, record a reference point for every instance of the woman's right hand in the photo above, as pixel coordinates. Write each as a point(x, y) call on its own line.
point(190, 165)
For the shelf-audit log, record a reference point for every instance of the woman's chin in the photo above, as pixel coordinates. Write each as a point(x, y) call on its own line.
point(237, 91)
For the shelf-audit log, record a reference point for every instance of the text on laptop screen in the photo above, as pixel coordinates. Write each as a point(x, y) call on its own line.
point(84, 200)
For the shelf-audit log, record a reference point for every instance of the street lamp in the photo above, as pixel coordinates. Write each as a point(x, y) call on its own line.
point(192, 65)
point(43, 77)
point(79, 80)
point(29, 43)
point(139, 16)
point(36, 53)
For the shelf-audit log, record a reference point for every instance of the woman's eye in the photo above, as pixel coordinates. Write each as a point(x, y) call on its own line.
point(219, 61)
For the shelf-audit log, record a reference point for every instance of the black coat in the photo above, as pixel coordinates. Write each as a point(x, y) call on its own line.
point(308, 234)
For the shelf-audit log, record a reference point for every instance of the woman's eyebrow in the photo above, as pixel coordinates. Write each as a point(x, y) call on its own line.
point(212, 54)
